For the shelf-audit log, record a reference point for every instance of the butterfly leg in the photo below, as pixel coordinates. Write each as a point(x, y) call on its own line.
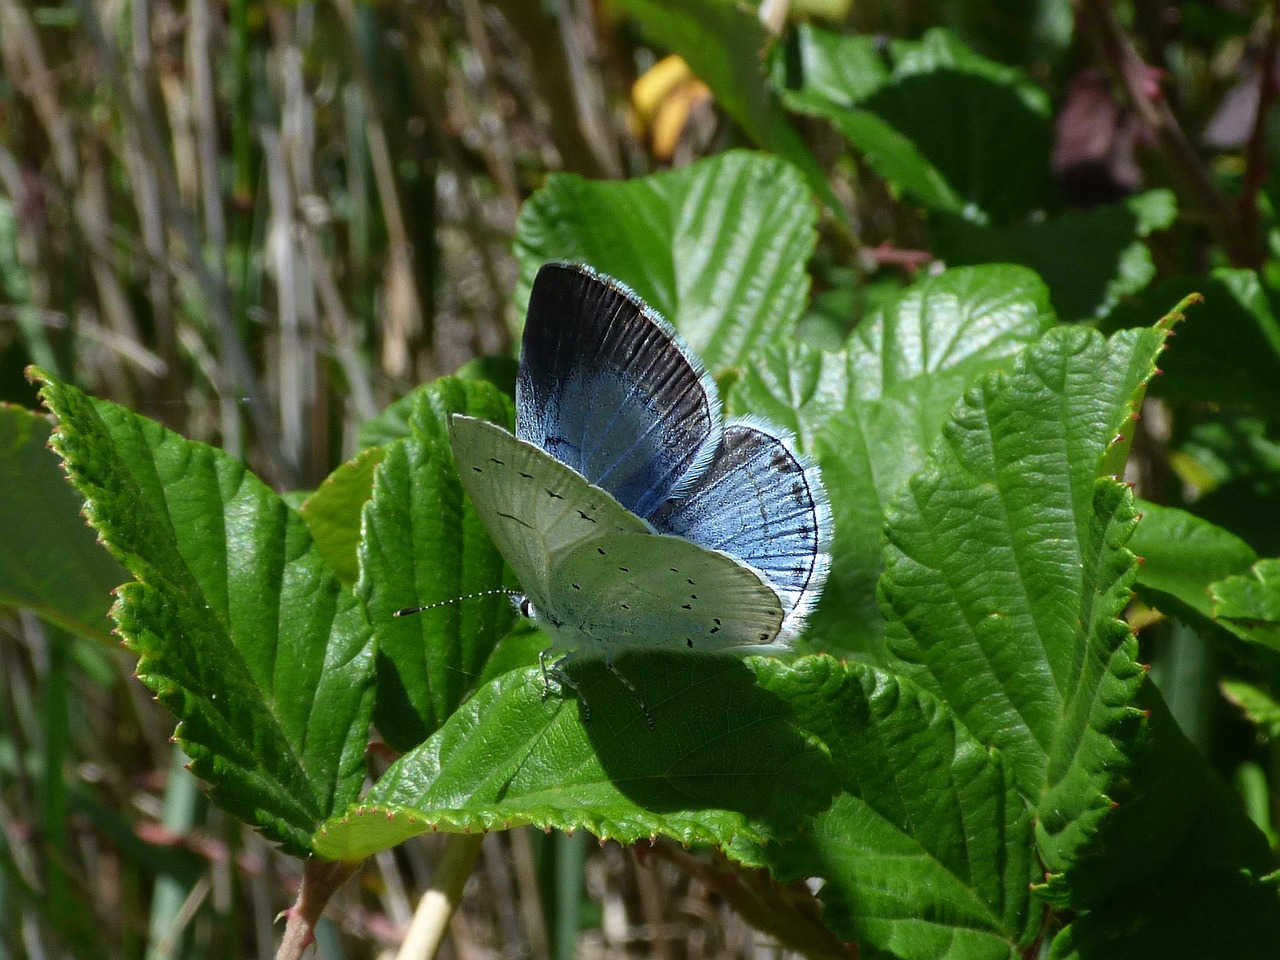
point(553, 672)
point(648, 717)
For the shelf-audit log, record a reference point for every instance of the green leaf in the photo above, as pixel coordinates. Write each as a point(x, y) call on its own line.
point(1183, 555)
point(928, 824)
point(1090, 260)
point(725, 761)
point(423, 544)
point(391, 423)
point(718, 247)
point(870, 414)
point(332, 513)
point(1006, 571)
point(927, 115)
point(49, 561)
point(240, 627)
point(1251, 603)
point(1230, 458)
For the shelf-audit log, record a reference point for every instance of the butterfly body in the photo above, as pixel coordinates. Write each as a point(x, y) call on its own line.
point(631, 515)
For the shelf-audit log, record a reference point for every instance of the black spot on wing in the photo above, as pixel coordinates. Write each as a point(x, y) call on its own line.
point(755, 503)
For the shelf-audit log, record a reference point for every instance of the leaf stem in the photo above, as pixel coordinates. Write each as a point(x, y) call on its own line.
point(320, 880)
point(431, 919)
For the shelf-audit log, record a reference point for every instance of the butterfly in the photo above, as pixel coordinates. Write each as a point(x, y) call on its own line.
point(631, 514)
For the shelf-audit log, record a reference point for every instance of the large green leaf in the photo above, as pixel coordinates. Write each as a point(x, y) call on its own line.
point(240, 626)
point(423, 544)
point(1007, 569)
point(927, 116)
point(870, 414)
point(724, 761)
point(928, 823)
point(49, 561)
point(718, 247)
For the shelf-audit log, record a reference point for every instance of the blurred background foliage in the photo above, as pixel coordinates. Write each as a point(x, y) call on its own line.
point(261, 222)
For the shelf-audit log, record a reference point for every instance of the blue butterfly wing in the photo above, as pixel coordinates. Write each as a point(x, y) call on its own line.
point(763, 504)
point(607, 387)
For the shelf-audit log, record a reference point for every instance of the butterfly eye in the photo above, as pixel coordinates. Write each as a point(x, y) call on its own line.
point(526, 608)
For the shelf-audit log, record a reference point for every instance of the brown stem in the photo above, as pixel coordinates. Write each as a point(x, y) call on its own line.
point(1219, 215)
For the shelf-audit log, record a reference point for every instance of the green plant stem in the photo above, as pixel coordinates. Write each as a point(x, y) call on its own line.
point(431, 919)
point(570, 861)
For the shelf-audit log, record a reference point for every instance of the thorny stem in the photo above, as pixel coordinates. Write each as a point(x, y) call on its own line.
point(320, 880)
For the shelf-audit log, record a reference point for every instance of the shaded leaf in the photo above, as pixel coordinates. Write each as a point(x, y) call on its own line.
point(928, 823)
point(1231, 458)
point(724, 761)
point(926, 115)
point(1177, 870)
point(1089, 260)
point(1228, 350)
point(49, 561)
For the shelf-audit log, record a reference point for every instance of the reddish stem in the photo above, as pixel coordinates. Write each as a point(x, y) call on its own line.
point(320, 880)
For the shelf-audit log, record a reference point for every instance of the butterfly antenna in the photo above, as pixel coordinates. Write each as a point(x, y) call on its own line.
point(410, 611)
